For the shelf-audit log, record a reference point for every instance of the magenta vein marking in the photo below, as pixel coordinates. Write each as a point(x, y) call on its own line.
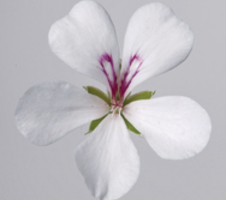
point(112, 83)
point(124, 84)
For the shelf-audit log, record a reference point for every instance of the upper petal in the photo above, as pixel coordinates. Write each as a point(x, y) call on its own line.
point(48, 111)
point(85, 39)
point(155, 42)
point(175, 127)
point(108, 159)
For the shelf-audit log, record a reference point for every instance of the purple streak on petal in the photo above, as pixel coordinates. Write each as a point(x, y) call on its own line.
point(112, 83)
point(125, 83)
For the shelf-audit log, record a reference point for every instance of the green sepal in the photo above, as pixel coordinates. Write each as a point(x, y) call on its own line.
point(95, 91)
point(127, 97)
point(95, 123)
point(130, 126)
point(138, 96)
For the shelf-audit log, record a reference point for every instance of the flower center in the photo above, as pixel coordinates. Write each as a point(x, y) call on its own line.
point(119, 87)
point(116, 107)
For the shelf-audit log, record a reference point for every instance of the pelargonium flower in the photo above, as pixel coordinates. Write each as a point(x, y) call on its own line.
point(175, 127)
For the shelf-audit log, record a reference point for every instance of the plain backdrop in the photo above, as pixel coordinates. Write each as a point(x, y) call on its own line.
point(30, 172)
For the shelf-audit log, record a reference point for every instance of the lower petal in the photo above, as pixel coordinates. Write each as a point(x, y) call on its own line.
point(175, 127)
point(48, 111)
point(108, 159)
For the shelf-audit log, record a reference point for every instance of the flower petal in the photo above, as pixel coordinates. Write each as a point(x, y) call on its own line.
point(48, 111)
point(85, 39)
point(155, 42)
point(175, 127)
point(108, 159)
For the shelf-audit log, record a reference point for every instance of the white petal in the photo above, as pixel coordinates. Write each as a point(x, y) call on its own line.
point(175, 127)
point(48, 111)
point(85, 39)
point(108, 159)
point(155, 42)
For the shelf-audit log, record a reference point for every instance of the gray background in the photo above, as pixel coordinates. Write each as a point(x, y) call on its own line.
point(29, 172)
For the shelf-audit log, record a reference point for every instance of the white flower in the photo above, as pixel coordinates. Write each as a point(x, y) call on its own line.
point(155, 42)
